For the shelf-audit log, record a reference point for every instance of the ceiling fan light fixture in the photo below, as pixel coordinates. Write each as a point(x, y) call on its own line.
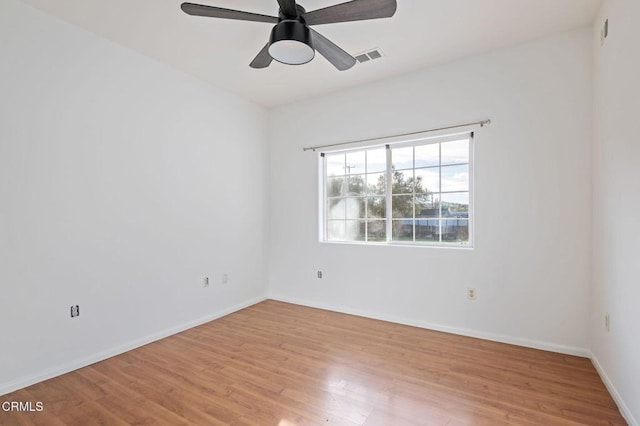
point(290, 43)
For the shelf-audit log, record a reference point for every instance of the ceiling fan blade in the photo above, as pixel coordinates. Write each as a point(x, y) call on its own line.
point(338, 57)
point(218, 12)
point(263, 59)
point(356, 10)
point(289, 8)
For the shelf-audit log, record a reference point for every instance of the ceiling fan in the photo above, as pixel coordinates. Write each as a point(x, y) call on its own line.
point(292, 42)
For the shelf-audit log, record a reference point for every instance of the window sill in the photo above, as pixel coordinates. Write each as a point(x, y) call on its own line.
point(454, 246)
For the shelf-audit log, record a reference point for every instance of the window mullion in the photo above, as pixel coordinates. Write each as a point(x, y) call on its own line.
point(388, 189)
point(413, 196)
point(366, 197)
point(325, 199)
point(470, 209)
point(345, 192)
point(440, 192)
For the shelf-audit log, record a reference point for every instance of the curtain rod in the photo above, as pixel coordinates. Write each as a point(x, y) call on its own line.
point(481, 123)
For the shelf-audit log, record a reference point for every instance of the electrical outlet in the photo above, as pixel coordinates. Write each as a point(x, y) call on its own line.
point(75, 311)
point(319, 274)
point(205, 281)
point(225, 278)
point(607, 322)
point(471, 293)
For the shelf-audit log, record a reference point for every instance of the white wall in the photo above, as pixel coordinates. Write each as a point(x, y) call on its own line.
point(530, 264)
point(122, 183)
point(616, 203)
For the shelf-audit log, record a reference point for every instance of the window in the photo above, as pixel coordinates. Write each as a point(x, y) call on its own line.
point(412, 192)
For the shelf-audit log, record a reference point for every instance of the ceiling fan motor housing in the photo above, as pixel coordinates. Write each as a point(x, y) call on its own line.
point(290, 43)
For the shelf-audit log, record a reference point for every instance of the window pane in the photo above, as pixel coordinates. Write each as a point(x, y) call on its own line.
point(428, 155)
point(354, 230)
point(376, 183)
point(335, 230)
point(455, 152)
point(428, 230)
point(335, 165)
point(402, 230)
point(428, 180)
point(402, 206)
point(357, 185)
point(335, 187)
point(455, 230)
point(427, 205)
point(455, 178)
point(355, 163)
point(455, 204)
point(376, 160)
point(376, 207)
point(336, 209)
point(355, 208)
point(402, 182)
point(402, 158)
point(377, 230)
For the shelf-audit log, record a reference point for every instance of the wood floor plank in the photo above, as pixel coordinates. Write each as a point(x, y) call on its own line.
point(278, 364)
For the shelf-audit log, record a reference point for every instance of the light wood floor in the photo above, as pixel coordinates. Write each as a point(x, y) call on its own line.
point(281, 364)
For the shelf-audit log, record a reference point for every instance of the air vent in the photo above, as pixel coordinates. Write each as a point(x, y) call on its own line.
point(368, 55)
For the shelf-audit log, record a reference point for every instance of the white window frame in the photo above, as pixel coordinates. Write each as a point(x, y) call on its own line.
point(390, 144)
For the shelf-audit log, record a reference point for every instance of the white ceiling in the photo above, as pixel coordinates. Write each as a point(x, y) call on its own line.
point(422, 33)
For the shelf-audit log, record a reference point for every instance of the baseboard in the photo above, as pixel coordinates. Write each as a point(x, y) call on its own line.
point(624, 410)
point(535, 344)
point(6, 388)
